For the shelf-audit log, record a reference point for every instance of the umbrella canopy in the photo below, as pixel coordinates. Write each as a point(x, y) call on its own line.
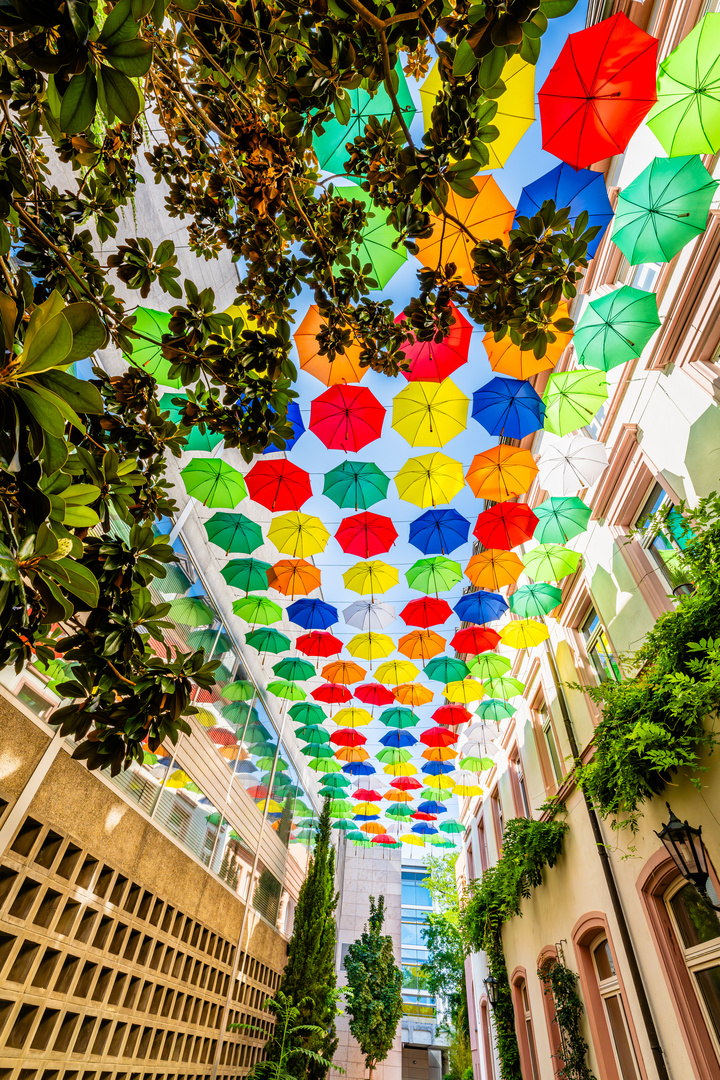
point(396, 671)
point(246, 574)
point(398, 738)
point(404, 783)
point(509, 407)
point(399, 813)
point(298, 534)
point(345, 368)
point(413, 695)
point(377, 238)
point(319, 643)
point(348, 737)
point(313, 734)
point(267, 641)
point(398, 718)
point(356, 484)
point(551, 562)
point(438, 736)
point(430, 414)
point(306, 713)
point(369, 616)
point(446, 669)
point(568, 465)
point(391, 755)
point(366, 795)
point(686, 118)
point(430, 479)
point(501, 472)
point(535, 600)
point(452, 715)
point(148, 354)
point(572, 398)
point(343, 671)
point(505, 525)
point(663, 209)
point(312, 614)
point(435, 360)
point(234, 532)
point(190, 611)
point(509, 359)
point(490, 664)
point(371, 646)
point(613, 329)
point(436, 574)
point(331, 693)
point(196, 440)
point(294, 669)
point(346, 417)
point(487, 216)
point(560, 519)
point(421, 645)
point(466, 790)
point(287, 690)
point(438, 532)
point(278, 484)
point(334, 783)
point(463, 692)
point(213, 482)
point(293, 577)
point(494, 568)
point(481, 606)
point(241, 690)
point(366, 534)
point(581, 190)
point(598, 92)
point(374, 694)
point(352, 753)
point(475, 639)
point(370, 578)
point(495, 709)
point(352, 717)
point(294, 418)
point(427, 611)
point(258, 610)
point(324, 765)
point(523, 634)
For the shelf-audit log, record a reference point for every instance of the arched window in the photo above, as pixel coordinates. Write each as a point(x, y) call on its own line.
point(614, 1007)
point(524, 1027)
point(697, 927)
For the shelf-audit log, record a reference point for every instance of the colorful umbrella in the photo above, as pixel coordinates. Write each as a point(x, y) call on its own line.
point(446, 669)
point(333, 783)
point(480, 606)
point(686, 118)
point(452, 827)
point(396, 671)
point(415, 841)
point(356, 484)
point(403, 768)
point(401, 796)
point(312, 614)
point(438, 736)
point(560, 519)
point(452, 715)
point(474, 640)
point(294, 669)
point(294, 418)
point(424, 829)
point(613, 329)
point(258, 610)
point(196, 439)
point(148, 354)
point(345, 672)
point(366, 795)
point(551, 562)
point(412, 694)
point(466, 790)
point(352, 753)
point(370, 578)
point(568, 465)
point(288, 691)
point(331, 693)
point(463, 692)
point(495, 709)
point(509, 359)
point(430, 479)
point(430, 414)
point(436, 574)
point(581, 191)
point(501, 472)
point(241, 690)
point(366, 534)
point(306, 713)
point(439, 783)
point(404, 783)
point(508, 407)
point(345, 368)
point(278, 485)
point(319, 643)
point(324, 765)
point(421, 645)
point(267, 641)
point(209, 640)
point(369, 616)
point(190, 611)
point(246, 574)
point(427, 611)
point(572, 398)
point(490, 665)
point(523, 634)
point(535, 600)
point(505, 525)
point(371, 646)
point(374, 694)
point(598, 92)
point(346, 417)
point(435, 360)
point(398, 738)
point(348, 737)
point(312, 733)
point(378, 237)
point(213, 482)
point(399, 813)
point(294, 577)
point(234, 532)
point(494, 568)
point(438, 532)
point(298, 534)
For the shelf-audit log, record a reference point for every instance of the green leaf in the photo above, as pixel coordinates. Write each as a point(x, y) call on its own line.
point(119, 25)
point(60, 403)
point(463, 188)
point(530, 49)
point(342, 108)
point(46, 414)
point(77, 108)
point(88, 331)
point(54, 454)
point(82, 396)
point(133, 58)
point(73, 577)
point(465, 60)
point(48, 348)
point(491, 68)
point(140, 8)
point(8, 315)
point(80, 517)
point(462, 170)
point(555, 9)
point(121, 97)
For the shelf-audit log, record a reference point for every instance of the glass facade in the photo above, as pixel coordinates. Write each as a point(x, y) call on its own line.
point(416, 905)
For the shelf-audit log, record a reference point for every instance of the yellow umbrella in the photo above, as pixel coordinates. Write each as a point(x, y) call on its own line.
point(298, 534)
point(494, 568)
point(430, 414)
point(352, 716)
point(523, 633)
point(409, 694)
point(463, 691)
point(402, 768)
point(466, 790)
point(411, 838)
point(430, 479)
point(371, 645)
point(370, 578)
point(352, 753)
point(439, 783)
point(366, 808)
point(396, 671)
point(205, 718)
point(272, 806)
point(179, 779)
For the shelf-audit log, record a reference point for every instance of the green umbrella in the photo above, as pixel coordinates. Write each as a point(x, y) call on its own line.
point(495, 709)
point(314, 750)
point(434, 575)
point(452, 826)
point(267, 641)
point(191, 611)
point(489, 665)
point(334, 782)
point(438, 841)
point(356, 484)
point(307, 713)
point(561, 518)
point(266, 762)
point(246, 574)
point(357, 836)
point(195, 439)
point(663, 209)
point(300, 810)
point(446, 669)
point(551, 562)
point(344, 824)
point(341, 807)
point(365, 842)
point(393, 754)
point(304, 836)
point(400, 812)
point(505, 686)
point(323, 765)
point(147, 354)
point(241, 690)
point(234, 532)
point(175, 581)
point(258, 610)
point(572, 398)
point(436, 794)
point(256, 734)
point(476, 764)
point(149, 759)
point(209, 641)
point(313, 733)
point(397, 717)
point(377, 238)
point(213, 482)
point(294, 669)
point(288, 691)
point(237, 712)
point(535, 600)
point(614, 328)
point(686, 118)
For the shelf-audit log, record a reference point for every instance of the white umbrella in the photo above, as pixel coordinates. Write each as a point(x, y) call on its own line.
point(477, 748)
point(367, 616)
point(570, 464)
point(478, 733)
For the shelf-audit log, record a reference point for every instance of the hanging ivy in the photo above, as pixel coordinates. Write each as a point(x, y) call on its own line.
point(561, 983)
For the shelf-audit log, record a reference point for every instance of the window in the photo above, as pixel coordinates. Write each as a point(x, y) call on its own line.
point(550, 741)
point(482, 844)
point(469, 857)
point(598, 648)
point(518, 778)
point(643, 276)
point(663, 543)
point(526, 1035)
point(498, 815)
point(487, 1042)
point(614, 1007)
point(697, 927)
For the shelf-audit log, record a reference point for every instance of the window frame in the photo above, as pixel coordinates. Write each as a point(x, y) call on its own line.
point(697, 958)
point(525, 1025)
point(648, 536)
point(609, 988)
point(592, 640)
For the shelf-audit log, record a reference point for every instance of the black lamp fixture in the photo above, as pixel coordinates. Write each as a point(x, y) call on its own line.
point(492, 986)
point(685, 846)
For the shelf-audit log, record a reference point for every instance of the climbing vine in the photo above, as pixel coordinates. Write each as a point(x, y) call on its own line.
point(561, 983)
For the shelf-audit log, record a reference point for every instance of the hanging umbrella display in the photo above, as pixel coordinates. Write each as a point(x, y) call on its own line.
point(294, 669)
point(324, 765)
point(399, 813)
point(433, 361)
point(523, 634)
point(427, 611)
point(480, 606)
point(378, 236)
point(369, 616)
point(423, 828)
point(222, 737)
point(246, 574)
point(509, 359)
point(241, 690)
point(581, 190)
point(430, 479)
point(504, 687)
point(421, 645)
point(494, 568)
point(293, 577)
point(391, 755)
point(486, 216)
point(394, 672)
point(598, 92)
point(331, 693)
point(257, 610)
point(572, 398)
point(306, 713)
point(348, 737)
point(613, 329)
point(446, 669)
point(403, 768)
point(508, 407)
point(374, 694)
point(489, 665)
point(278, 485)
point(452, 715)
point(438, 532)
point(452, 827)
point(312, 614)
point(371, 646)
point(463, 692)
point(366, 535)
point(190, 611)
point(345, 368)
point(430, 414)
point(370, 578)
point(319, 643)
point(560, 519)
point(439, 783)
point(401, 797)
point(495, 709)
point(267, 641)
point(476, 763)
point(465, 789)
point(147, 354)
point(335, 783)
point(405, 783)
point(535, 600)
point(438, 736)
point(213, 482)
point(313, 734)
point(414, 841)
point(346, 417)
point(413, 694)
point(355, 484)
point(568, 465)
point(297, 534)
point(505, 525)
point(436, 574)
point(474, 640)
point(551, 562)
point(686, 118)
point(352, 753)
point(175, 581)
point(288, 691)
point(366, 795)
point(398, 738)
point(196, 439)
point(234, 532)
point(345, 672)
point(294, 419)
point(501, 472)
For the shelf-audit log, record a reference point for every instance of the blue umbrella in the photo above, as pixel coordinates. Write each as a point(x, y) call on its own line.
point(581, 190)
point(358, 768)
point(295, 418)
point(312, 614)
point(424, 828)
point(437, 532)
point(508, 407)
point(480, 607)
point(398, 738)
point(245, 767)
point(430, 806)
point(438, 768)
point(365, 817)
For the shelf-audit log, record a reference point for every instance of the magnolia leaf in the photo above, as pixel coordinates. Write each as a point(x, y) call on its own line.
point(491, 68)
point(78, 103)
point(43, 412)
point(133, 58)
point(119, 26)
point(73, 577)
point(465, 60)
point(121, 97)
point(8, 315)
point(88, 331)
point(48, 348)
point(80, 517)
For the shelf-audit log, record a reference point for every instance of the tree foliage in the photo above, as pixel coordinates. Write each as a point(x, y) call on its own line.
point(561, 983)
point(444, 972)
point(291, 1036)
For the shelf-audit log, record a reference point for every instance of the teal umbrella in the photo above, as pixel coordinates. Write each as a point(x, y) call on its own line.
point(344, 824)
point(356, 484)
point(615, 328)
point(446, 669)
point(213, 482)
point(535, 600)
point(663, 209)
point(378, 238)
point(400, 812)
point(246, 574)
point(209, 641)
point(234, 532)
point(313, 733)
point(191, 611)
point(686, 118)
point(317, 750)
point(495, 709)
point(265, 641)
point(237, 712)
point(399, 718)
point(294, 669)
point(146, 352)
point(195, 439)
point(358, 837)
point(307, 713)
point(332, 783)
point(561, 518)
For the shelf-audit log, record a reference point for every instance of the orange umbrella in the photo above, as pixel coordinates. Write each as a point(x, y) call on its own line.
point(232, 753)
point(501, 472)
point(493, 568)
point(487, 216)
point(294, 577)
point(343, 671)
point(409, 694)
point(373, 827)
point(351, 753)
point(509, 360)
point(421, 645)
point(345, 368)
point(439, 753)
point(398, 796)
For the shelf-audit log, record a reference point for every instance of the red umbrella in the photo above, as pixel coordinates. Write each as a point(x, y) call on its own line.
point(406, 783)
point(366, 535)
point(438, 736)
point(365, 794)
point(419, 816)
point(374, 694)
point(505, 525)
point(425, 612)
point(259, 791)
point(346, 417)
point(383, 838)
point(331, 693)
point(475, 639)
point(598, 92)
point(452, 715)
point(347, 737)
point(278, 485)
point(222, 737)
point(433, 361)
point(319, 643)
